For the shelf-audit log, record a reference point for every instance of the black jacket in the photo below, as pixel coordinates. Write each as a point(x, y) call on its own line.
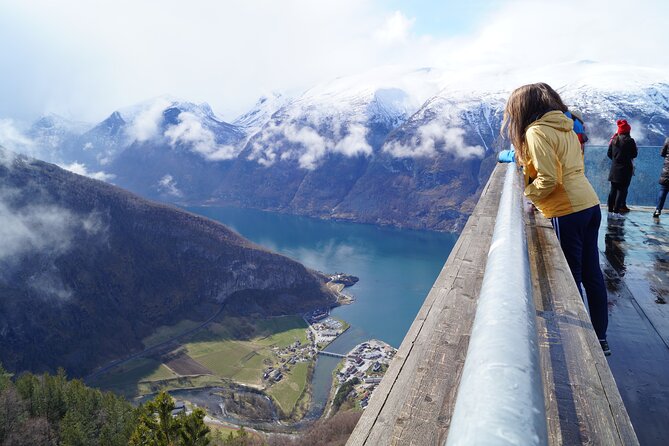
point(622, 150)
point(664, 175)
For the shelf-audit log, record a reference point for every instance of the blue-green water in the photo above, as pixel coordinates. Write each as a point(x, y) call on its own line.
point(644, 186)
point(396, 268)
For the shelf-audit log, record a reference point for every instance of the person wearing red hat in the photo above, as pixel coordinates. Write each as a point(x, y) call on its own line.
point(622, 150)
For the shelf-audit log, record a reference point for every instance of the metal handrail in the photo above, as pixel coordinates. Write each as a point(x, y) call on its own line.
point(500, 399)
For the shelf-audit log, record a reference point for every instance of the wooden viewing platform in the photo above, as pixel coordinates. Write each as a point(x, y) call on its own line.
point(414, 403)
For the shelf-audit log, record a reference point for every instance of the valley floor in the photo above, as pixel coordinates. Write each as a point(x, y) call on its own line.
point(230, 353)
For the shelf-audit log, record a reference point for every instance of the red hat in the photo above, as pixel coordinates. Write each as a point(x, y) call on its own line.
point(623, 126)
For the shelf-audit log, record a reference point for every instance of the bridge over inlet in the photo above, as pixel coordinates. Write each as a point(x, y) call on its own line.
point(559, 383)
point(335, 355)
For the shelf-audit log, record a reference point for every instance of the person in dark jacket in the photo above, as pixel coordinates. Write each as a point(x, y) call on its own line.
point(622, 150)
point(664, 180)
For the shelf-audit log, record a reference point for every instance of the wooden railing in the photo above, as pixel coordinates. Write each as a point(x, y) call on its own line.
point(414, 403)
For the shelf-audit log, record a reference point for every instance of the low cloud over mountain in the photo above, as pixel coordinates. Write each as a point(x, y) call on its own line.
point(409, 148)
point(87, 270)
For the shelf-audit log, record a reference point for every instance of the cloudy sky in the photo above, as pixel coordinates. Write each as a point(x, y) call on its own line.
point(83, 58)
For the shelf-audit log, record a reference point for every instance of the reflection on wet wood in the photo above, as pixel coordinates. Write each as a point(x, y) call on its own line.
point(637, 249)
point(414, 402)
point(636, 269)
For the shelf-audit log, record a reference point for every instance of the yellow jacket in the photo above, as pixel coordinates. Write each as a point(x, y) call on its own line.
point(554, 170)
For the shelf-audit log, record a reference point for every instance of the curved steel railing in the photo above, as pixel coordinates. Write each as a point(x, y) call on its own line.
point(500, 399)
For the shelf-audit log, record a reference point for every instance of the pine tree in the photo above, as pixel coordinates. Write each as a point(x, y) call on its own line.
point(158, 427)
point(193, 431)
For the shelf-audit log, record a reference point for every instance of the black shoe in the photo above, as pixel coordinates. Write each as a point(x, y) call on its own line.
point(624, 210)
point(605, 347)
point(656, 214)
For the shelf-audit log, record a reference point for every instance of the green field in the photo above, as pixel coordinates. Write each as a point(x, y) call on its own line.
point(241, 361)
point(233, 349)
point(125, 379)
point(287, 392)
point(281, 331)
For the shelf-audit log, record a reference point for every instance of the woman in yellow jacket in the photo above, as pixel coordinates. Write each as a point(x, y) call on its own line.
point(550, 153)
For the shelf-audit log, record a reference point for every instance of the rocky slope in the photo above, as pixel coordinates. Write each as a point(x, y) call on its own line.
point(87, 269)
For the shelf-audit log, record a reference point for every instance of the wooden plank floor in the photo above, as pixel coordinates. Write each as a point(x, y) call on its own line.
point(414, 403)
point(583, 404)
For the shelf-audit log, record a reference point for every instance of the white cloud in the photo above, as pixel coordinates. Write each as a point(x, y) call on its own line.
point(6, 157)
point(355, 142)
point(639, 131)
point(12, 138)
point(65, 58)
point(307, 145)
point(525, 34)
point(42, 228)
point(147, 122)
point(45, 229)
point(50, 283)
point(432, 137)
point(395, 29)
point(315, 146)
point(168, 185)
point(80, 169)
point(191, 131)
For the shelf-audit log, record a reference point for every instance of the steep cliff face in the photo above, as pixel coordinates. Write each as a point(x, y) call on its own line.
point(87, 270)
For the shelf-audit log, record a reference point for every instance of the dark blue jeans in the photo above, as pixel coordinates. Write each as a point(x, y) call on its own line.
point(661, 197)
point(578, 233)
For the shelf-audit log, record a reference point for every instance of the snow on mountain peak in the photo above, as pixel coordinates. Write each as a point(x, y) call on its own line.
point(397, 90)
point(146, 118)
point(263, 110)
point(54, 123)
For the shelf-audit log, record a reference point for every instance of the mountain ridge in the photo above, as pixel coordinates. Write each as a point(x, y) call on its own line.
point(326, 152)
point(94, 269)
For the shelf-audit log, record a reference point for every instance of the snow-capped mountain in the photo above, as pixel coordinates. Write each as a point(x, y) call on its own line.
point(52, 135)
point(349, 116)
point(52, 130)
point(391, 146)
point(261, 113)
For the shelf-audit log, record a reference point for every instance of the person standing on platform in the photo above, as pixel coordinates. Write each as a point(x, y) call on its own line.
point(664, 180)
point(550, 152)
point(622, 150)
point(579, 127)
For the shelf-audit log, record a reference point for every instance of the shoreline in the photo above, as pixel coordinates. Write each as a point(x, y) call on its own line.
point(321, 330)
point(367, 380)
point(342, 297)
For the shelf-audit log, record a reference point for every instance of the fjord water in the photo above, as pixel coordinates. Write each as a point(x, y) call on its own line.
point(396, 267)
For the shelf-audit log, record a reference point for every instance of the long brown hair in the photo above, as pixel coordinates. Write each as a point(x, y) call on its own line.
point(525, 105)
